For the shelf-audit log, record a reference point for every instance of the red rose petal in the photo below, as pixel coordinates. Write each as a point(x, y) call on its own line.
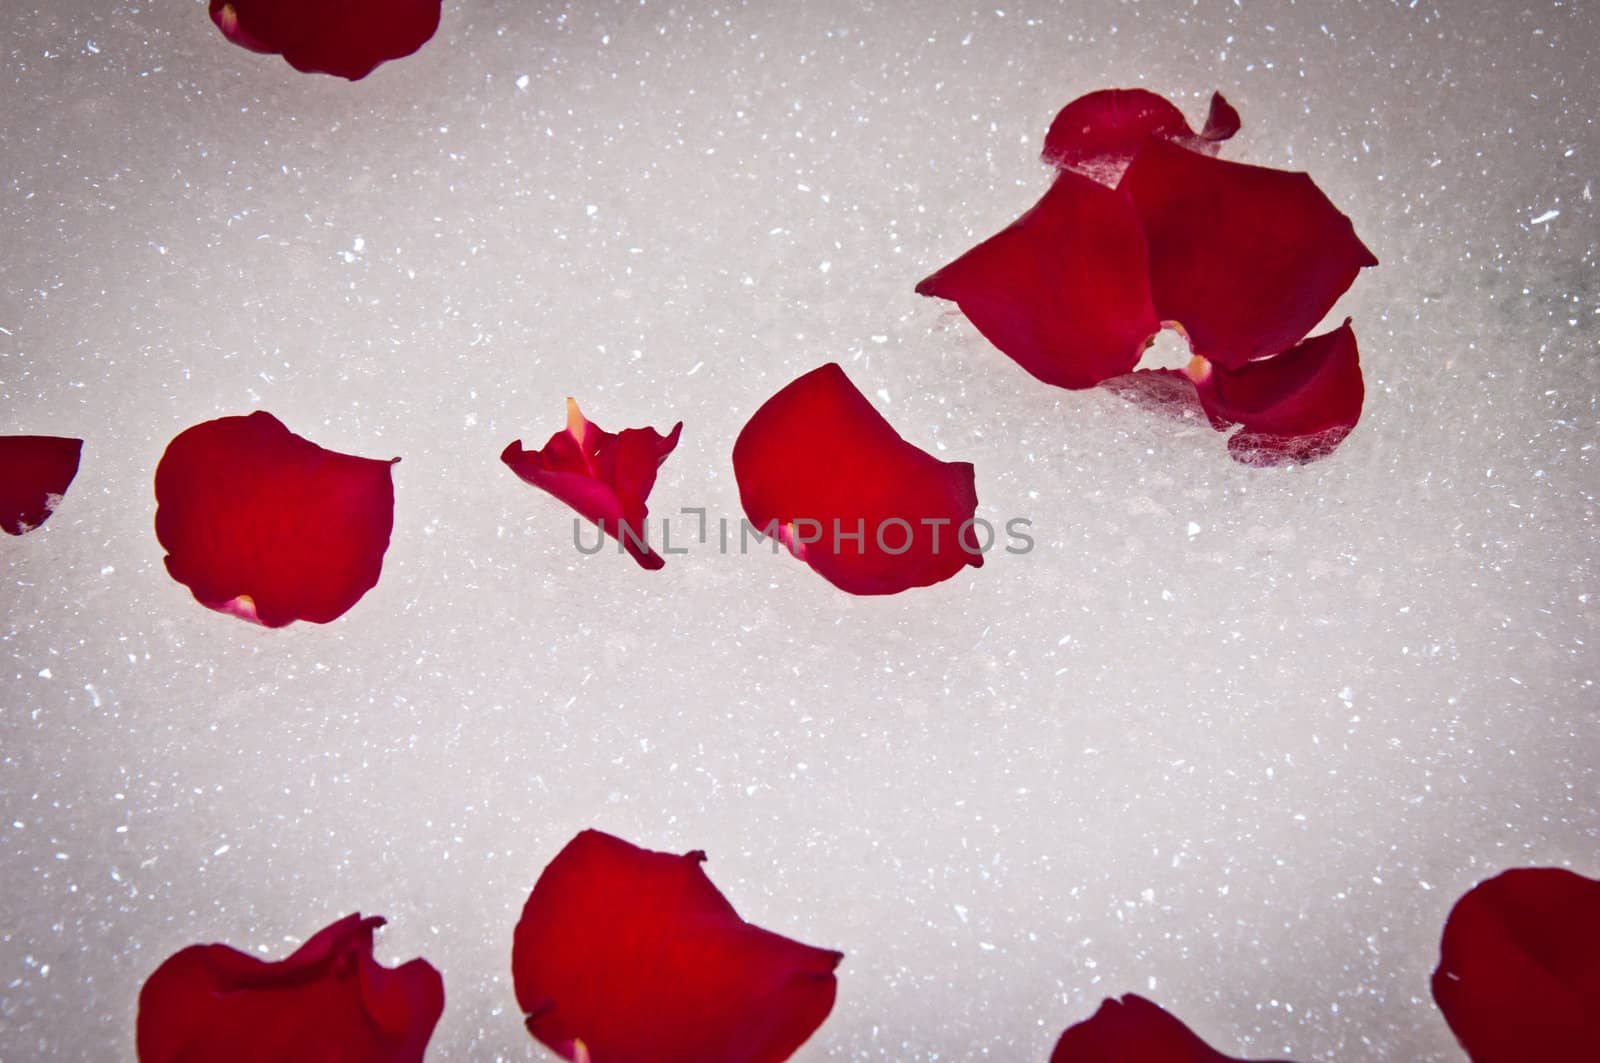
point(1098, 135)
point(605, 476)
point(623, 954)
point(268, 526)
point(1295, 406)
point(1244, 259)
point(1133, 1030)
point(1519, 968)
point(817, 457)
point(330, 1000)
point(1065, 290)
point(344, 37)
point(35, 471)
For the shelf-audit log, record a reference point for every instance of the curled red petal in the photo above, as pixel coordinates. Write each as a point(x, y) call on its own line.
point(1245, 259)
point(329, 1000)
point(872, 514)
point(1097, 135)
point(348, 38)
point(1222, 121)
point(1519, 967)
point(1133, 1030)
point(1294, 406)
point(624, 954)
point(35, 472)
point(605, 476)
point(270, 527)
point(1064, 290)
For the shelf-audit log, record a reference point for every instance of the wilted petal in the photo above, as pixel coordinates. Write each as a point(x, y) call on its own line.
point(819, 463)
point(344, 37)
point(268, 526)
point(1065, 290)
point(1099, 134)
point(1519, 968)
point(605, 476)
point(624, 954)
point(1133, 1030)
point(1246, 260)
point(330, 1000)
point(35, 471)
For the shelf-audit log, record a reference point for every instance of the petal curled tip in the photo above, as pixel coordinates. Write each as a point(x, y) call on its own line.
point(1097, 135)
point(268, 526)
point(605, 476)
point(1133, 1030)
point(330, 999)
point(623, 953)
point(1222, 121)
point(1248, 259)
point(347, 38)
point(822, 471)
point(1064, 291)
point(1519, 967)
point(35, 472)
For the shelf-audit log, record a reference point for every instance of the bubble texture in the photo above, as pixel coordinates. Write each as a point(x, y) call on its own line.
point(1231, 738)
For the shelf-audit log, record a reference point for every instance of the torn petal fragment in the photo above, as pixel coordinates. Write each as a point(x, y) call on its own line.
point(263, 524)
point(624, 954)
point(1097, 135)
point(35, 472)
point(329, 1000)
point(1133, 1030)
point(348, 38)
point(1245, 259)
point(868, 511)
point(1519, 967)
point(605, 476)
point(1064, 290)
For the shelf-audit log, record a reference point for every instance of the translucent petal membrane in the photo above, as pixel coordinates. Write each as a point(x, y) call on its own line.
point(1097, 135)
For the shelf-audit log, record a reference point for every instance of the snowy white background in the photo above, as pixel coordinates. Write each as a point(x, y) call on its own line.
point(1231, 738)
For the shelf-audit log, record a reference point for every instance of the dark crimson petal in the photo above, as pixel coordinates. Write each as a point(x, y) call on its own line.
point(330, 1000)
point(1222, 121)
point(1519, 968)
point(1299, 404)
point(35, 471)
point(818, 452)
point(344, 37)
point(1098, 135)
point(268, 526)
point(1244, 259)
point(624, 954)
point(1133, 1030)
point(1065, 290)
point(605, 476)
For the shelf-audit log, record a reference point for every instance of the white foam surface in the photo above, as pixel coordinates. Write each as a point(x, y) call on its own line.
point(1230, 738)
